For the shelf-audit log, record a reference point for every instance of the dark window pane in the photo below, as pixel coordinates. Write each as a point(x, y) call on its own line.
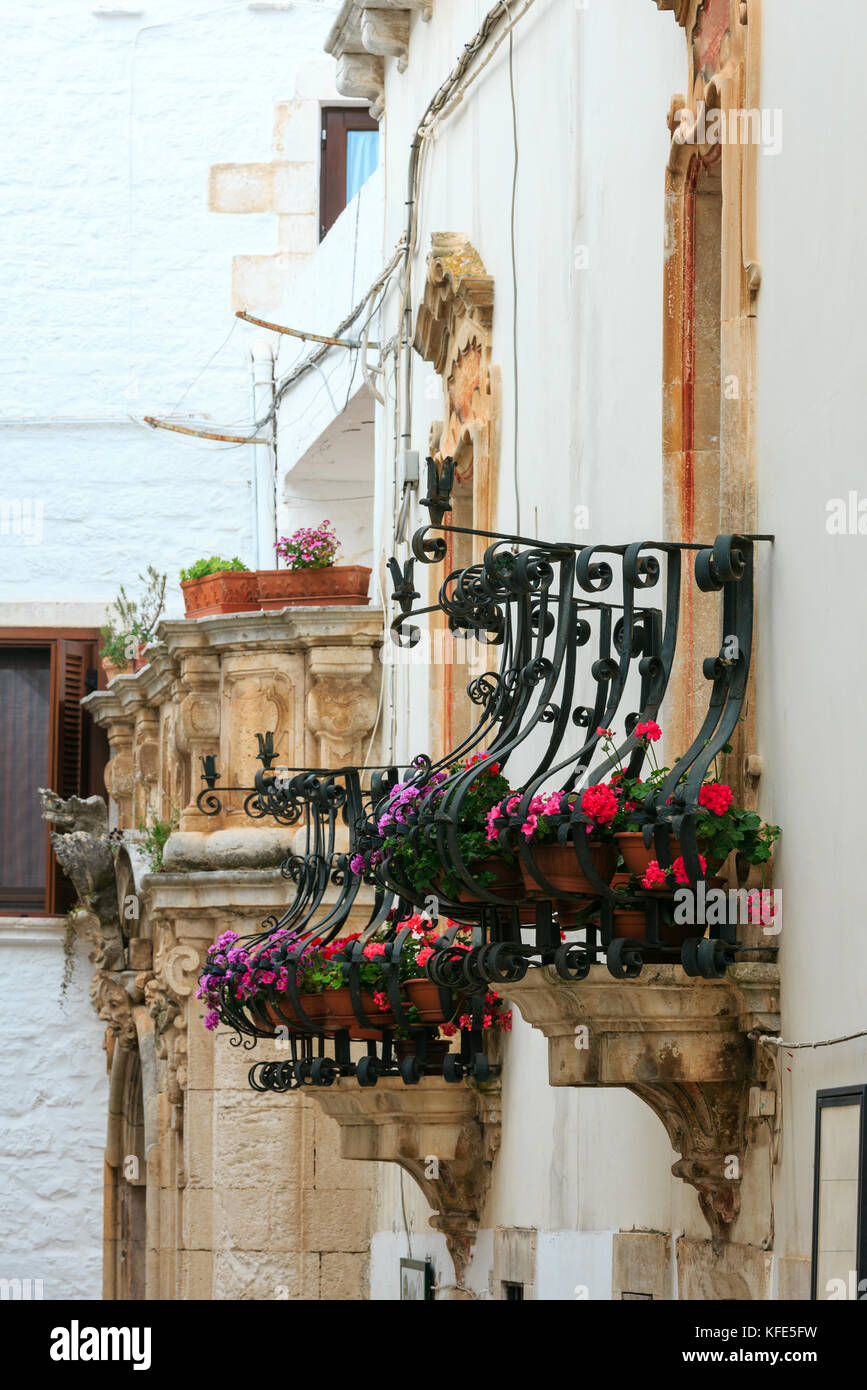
point(25, 709)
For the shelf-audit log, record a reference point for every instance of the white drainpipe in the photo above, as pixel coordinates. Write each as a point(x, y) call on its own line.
point(264, 477)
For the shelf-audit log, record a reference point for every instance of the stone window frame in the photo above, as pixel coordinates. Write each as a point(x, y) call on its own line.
point(723, 42)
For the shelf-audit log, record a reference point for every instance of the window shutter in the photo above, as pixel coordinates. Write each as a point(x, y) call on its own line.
point(74, 659)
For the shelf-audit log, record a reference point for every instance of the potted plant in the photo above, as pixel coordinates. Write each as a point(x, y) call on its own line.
point(721, 827)
point(419, 861)
point(255, 980)
point(339, 1010)
point(215, 585)
point(132, 626)
point(423, 996)
point(311, 576)
point(629, 920)
point(559, 863)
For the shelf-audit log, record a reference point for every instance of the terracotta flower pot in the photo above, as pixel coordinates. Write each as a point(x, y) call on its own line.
point(139, 660)
point(508, 883)
point(630, 922)
point(227, 591)
point(560, 866)
point(635, 854)
point(437, 1050)
point(111, 670)
point(339, 1013)
point(329, 587)
point(312, 1004)
point(425, 995)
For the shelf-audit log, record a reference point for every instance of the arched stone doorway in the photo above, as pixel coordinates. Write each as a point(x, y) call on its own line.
point(126, 1180)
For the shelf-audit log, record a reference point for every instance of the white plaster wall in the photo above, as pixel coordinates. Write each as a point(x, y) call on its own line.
point(118, 283)
point(53, 1115)
point(577, 1166)
point(325, 435)
point(117, 290)
point(812, 664)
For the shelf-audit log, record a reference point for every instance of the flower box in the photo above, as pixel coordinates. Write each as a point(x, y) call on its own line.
point(560, 866)
point(227, 591)
point(425, 995)
point(339, 1013)
point(636, 855)
point(328, 587)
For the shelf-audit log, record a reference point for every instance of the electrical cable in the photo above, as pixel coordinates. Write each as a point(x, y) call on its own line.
point(767, 1041)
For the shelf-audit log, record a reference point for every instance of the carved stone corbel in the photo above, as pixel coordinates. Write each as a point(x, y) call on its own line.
point(362, 75)
point(685, 1046)
point(444, 1135)
point(386, 33)
point(680, 9)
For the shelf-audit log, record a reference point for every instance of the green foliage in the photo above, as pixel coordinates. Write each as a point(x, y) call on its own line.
point(156, 834)
point(318, 974)
point(134, 620)
point(743, 831)
point(115, 646)
point(213, 565)
point(69, 940)
point(420, 860)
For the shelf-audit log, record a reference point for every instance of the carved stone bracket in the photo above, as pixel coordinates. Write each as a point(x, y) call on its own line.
point(683, 1045)
point(364, 34)
point(444, 1135)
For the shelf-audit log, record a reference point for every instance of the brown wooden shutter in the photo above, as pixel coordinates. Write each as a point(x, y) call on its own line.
point(75, 659)
point(26, 745)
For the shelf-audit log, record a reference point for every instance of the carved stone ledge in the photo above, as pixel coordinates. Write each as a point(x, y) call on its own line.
point(682, 1044)
point(362, 75)
point(366, 32)
point(386, 33)
point(444, 1135)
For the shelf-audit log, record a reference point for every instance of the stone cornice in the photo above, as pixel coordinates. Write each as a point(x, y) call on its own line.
point(289, 629)
point(293, 629)
point(364, 34)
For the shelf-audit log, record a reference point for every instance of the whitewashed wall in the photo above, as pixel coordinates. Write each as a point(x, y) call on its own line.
point(812, 664)
point(117, 290)
point(118, 285)
point(576, 1166)
point(53, 1114)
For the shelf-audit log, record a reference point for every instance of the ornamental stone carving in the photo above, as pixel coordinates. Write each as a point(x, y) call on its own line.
point(341, 704)
point(687, 1047)
point(364, 34)
point(445, 1135)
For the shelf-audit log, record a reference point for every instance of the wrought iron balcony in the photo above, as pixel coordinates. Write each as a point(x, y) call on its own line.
point(328, 807)
point(582, 632)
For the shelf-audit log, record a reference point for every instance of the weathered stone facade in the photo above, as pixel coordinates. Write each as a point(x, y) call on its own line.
point(213, 1190)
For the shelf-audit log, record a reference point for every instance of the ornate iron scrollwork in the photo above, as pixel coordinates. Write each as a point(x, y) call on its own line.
point(587, 637)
